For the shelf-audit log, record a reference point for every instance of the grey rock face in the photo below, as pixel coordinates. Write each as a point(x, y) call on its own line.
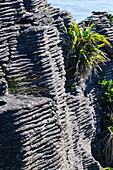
point(30, 136)
point(3, 87)
point(103, 114)
point(103, 25)
point(52, 130)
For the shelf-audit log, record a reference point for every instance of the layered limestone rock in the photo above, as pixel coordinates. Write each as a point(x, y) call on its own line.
point(52, 130)
point(30, 135)
point(103, 25)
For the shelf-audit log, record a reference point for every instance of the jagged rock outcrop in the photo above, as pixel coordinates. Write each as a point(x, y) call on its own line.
point(103, 25)
point(52, 130)
point(104, 114)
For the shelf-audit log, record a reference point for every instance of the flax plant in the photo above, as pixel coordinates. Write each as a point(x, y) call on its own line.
point(108, 168)
point(84, 48)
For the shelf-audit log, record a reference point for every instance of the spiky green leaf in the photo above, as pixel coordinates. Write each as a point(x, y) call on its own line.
point(107, 168)
point(90, 28)
point(110, 128)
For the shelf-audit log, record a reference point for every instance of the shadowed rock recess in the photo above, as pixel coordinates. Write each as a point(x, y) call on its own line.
point(41, 126)
point(104, 25)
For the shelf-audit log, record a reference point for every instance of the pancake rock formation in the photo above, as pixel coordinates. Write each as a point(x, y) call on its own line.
point(42, 126)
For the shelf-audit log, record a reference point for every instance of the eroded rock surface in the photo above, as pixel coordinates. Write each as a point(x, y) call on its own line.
point(103, 25)
point(52, 130)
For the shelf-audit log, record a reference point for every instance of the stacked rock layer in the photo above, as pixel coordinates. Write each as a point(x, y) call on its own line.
point(103, 25)
point(52, 130)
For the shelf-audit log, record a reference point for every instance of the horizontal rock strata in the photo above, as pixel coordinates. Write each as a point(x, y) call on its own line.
point(103, 25)
point(52, 130)
point(30, 135)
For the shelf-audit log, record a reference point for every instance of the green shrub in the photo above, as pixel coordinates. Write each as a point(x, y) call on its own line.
point(107, 85)
point(107, 98)
point(111, 17)
point(110, 128)
point(84, 49)
point(13, 86)
point(107, 168)
point(46, 5)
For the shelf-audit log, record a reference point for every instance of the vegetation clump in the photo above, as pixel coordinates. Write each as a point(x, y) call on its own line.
point(84, 50)
point(13, 86)
point(107, 85)
point(107, 168)
point(111, 17)
point(107, 143)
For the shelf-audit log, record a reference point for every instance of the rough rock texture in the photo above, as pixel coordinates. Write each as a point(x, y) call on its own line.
point(30, 136)
point(55, 130)
point(82, 114)
point(103, 25)
point(103, 113)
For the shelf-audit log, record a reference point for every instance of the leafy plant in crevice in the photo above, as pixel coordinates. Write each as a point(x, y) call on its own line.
point(13, 86)
point(25, 87)
point(46, 5)
point(106, 99)
point(107, 120)
point(106, 148)
point(107, 86)
point(108, 168)
point(111, 17)
point(51, 20)
point(84, 50)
